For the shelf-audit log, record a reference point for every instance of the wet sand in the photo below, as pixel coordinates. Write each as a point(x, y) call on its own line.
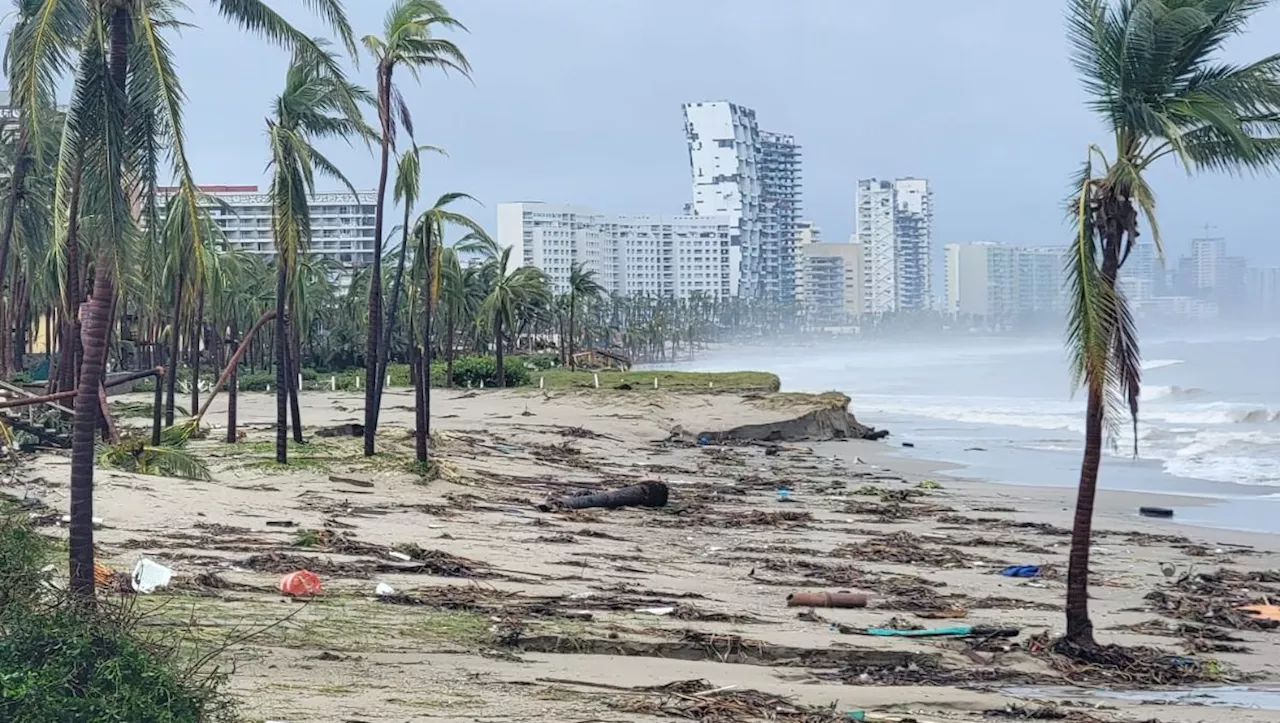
point(504, 612)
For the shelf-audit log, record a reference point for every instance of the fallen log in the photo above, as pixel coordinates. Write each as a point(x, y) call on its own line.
point(70, 394)
point(646, 494)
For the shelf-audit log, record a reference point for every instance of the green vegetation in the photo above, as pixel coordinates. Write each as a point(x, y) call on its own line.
point(64, 663)
point(667, 380)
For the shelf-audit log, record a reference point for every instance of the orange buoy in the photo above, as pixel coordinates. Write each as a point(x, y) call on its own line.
point(302, 583)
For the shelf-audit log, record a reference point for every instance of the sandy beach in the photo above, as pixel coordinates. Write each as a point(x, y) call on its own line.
point(504, 612)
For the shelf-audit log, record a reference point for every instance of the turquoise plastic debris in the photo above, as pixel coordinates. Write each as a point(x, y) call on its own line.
point(931, 632)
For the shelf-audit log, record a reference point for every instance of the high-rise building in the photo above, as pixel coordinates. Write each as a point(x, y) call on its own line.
point(666, 256)
point(1263, 288)
point(829, 282)
point(1207, 256)
point(341, 225)
point(780, 214)
point(1001, 283)
point(753, 178)
point(895, 226)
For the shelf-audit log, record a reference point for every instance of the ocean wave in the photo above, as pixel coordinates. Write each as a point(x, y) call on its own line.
point(1160, 363)
point(1154, 392)
point(1218, 413)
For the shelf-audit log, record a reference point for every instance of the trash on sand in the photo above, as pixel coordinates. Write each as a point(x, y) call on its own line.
point(397, 555)
point(67, 520)
point(656, 611)
point(281, 523)
point(301, 583)
point(646, 494)
point(350, 481)
point(841, 599)
point(382, 589)
point(908, 444)
point(1162, 512)
point(784, 495)
point(149, 576)
point(953, 631)
point(1021, 571)
point(929, 485)
point(102, 574)
point(1262, 612)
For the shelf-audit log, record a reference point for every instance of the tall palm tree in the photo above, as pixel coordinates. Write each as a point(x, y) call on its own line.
point(511, 292)
point(1152, 71)
point(124, 116)
point(407, 42)
point(461, 293)
point(316, 104)
point(582, 285)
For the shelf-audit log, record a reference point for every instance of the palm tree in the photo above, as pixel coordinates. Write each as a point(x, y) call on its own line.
point(124, 116)
point(316, 104)
point(407, 41)
point(461, 293)
point(511, 293)
point(1151, 69)
point(582, 285)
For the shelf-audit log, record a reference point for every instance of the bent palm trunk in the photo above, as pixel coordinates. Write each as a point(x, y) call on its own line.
point(282, 372)
point(375, 280)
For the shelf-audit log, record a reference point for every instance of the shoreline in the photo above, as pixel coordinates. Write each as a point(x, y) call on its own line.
point(500, 602)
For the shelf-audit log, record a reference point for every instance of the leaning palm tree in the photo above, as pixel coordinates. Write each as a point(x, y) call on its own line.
point(316, 104)
point(511, 293)
point(582, 286)
point(1151, 68)
point(407, 42)
point(124, 117)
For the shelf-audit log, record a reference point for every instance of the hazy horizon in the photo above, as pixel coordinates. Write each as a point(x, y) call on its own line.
point(579, 101)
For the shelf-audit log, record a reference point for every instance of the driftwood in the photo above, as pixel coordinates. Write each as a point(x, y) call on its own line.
point(70, 394)
point(646, 494)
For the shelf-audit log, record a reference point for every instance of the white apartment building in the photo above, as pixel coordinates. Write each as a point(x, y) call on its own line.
point(667, 256)
point(1000, 283)
point(895, 226)
point(341, 225)
point(829, 282)
point(753, 178)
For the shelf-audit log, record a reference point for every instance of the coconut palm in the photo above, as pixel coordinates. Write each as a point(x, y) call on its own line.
point(316, 104)
point(582, 286)
point(511, 293)
point(1153, 73)
point(124, 116)
point(462, 291)
point(407, 42)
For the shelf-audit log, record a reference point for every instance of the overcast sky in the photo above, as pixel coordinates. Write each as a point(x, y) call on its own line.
point(579, 101)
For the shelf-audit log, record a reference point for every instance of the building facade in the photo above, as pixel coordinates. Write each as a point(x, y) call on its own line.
point(829, 283)
point(895, 226)
point(666, 256)
point(341, 225)
point(752, 177)
point(1000, 283)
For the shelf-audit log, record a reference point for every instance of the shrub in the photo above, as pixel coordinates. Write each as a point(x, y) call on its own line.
point(540, 362)
point(64, 663)
point(472, 370)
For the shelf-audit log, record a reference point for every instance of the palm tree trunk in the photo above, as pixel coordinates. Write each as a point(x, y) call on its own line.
point(282, 370)
point(171, 378)
point(497, 346)
point(573, 304)
point(233, 384)
point(448, 354)
point(375, 278)
point(96, 323)
point(385, 351)
point(197, 344)
point(295, 371)
point(1079, 626)
point(423, 443)
point(21, 165)
point(72, 349)
point(421, 385)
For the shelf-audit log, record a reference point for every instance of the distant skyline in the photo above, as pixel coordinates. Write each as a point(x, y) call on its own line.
point(580, 101)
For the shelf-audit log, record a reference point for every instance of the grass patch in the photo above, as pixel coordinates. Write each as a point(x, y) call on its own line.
point(712, 382)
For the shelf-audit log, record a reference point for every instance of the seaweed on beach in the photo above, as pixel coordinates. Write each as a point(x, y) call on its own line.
point(1121, 665)
point(908, 549)
point(1215, 598)
point(701, 700)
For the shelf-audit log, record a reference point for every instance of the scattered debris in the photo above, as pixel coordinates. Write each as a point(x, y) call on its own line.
point(841, 599)
point(149, 576)
point(647, 494)
point(300, 583)
point(1161, 512)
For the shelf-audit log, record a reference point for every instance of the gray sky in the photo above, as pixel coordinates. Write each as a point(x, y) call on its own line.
point(579, 101)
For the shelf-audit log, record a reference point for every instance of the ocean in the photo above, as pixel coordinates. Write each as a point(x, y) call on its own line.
point(1003, 409)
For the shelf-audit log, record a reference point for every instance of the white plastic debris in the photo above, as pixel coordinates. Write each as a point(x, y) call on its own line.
point(150, 576)
point(656, 611)
point(396, 554)
point(384, 590)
